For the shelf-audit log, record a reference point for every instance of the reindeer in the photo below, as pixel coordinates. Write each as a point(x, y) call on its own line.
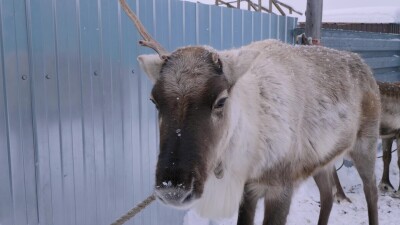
point(389, 131)
point(253, 122)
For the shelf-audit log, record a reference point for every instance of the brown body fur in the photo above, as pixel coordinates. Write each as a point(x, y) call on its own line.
point(389, 129)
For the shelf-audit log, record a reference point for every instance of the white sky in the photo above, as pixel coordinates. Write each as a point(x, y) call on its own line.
point(343, 4)
point(380, 6)
point(329, 4)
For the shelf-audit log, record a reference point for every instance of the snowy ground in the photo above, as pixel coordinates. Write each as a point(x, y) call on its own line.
point(305, 204)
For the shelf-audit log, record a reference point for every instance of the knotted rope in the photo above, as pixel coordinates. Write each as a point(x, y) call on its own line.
point(131, 213)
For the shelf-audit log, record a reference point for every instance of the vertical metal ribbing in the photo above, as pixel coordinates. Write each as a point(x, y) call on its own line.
point(88, 120)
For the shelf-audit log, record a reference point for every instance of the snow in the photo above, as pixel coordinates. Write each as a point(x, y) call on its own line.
point(363, 15)
point(305, 203)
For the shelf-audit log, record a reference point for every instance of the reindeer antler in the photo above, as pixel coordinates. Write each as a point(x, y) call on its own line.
point(148, 40)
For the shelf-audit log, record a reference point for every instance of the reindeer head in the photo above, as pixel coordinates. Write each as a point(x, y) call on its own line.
point(191, 91)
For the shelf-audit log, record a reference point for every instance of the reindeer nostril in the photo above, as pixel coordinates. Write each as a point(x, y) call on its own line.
point(188, 198)
point(161, 199)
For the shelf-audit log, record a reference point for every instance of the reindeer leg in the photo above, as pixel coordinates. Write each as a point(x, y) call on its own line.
point(247, 208)
point(363, 155)
point(324, 182)
point(277, 207)
point(397, 194)
point(340, 196)
point(385, 184)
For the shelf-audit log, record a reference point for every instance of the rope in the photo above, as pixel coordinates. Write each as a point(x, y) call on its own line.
point(376, 157)
point(131, 213)
point(340, 167)
point(390, 153)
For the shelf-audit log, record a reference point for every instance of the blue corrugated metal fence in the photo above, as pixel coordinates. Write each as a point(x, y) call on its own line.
point(379, 50)
point(78, 136)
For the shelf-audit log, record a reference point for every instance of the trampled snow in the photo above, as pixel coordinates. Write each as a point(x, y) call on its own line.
point(305, 204)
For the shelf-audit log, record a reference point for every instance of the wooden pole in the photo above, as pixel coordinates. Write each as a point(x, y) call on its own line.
point(314, 20)
point(238, 4)
point(270, 6)
point(278, 8)
point(259, 5)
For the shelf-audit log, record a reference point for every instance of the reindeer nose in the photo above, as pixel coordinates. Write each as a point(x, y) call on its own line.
point(175, 195)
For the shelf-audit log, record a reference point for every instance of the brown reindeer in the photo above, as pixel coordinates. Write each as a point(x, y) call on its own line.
point(254, 122)
point(389, 131)
point(385, 184)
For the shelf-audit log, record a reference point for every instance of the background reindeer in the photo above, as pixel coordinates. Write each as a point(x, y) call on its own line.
point(389, 131)
point(254, 122)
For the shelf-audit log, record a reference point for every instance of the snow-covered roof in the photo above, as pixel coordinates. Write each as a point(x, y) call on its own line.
point(363, 15)
point(379, 14)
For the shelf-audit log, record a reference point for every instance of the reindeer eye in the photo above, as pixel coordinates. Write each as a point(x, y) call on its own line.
point(220, 103)
point(154, 102)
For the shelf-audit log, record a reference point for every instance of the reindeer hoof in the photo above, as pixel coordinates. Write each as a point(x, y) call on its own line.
point(339, 198)
point(385, 187)
point(396, 194)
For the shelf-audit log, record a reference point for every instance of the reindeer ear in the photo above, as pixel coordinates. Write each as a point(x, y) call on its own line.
point(237, 63)
point(151, 64)
point(216, 60)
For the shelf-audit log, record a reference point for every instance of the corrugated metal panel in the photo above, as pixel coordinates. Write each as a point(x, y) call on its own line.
point(17, 171)
point(393, 28)
point(78, 136)
point(380, 51)
point(382, 54)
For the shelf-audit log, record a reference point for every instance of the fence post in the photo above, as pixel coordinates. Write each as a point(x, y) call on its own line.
point(314, 20)
point(270, 6)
